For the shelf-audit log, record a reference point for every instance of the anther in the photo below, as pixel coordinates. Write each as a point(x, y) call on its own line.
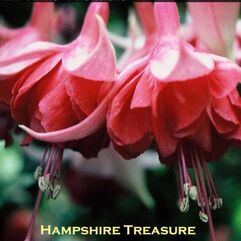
point(186, 188)
point(55, 191)
point(217, 203)
point(38, 172)
point(184, 205)
point(48, 193)
point(203, 216)
point(44, 182)
point(193, 193)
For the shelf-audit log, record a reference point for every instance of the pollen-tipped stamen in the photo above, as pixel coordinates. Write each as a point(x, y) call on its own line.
point(190, 154)
point(214, 201)
point(204, 191)
point(49, 182)
point(185, 182)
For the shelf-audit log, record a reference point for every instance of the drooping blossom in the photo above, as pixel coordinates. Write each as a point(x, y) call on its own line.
point(173, 96)
point(11, 42)
point(140, 38)
point(61, 85)
point(62, 95)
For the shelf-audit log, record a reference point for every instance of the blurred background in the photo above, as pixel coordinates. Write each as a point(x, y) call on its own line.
point(108, 191)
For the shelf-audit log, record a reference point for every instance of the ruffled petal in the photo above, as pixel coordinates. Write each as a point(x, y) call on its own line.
point(223, 116)
point(91, 123)
point(203, 136)
point(162, 128)
point(185, 102)
point(56, 110)
point(143, 92)
point(86, 127)
point(127, 126)
point(84, 93)
point(224, 78)
point(27, 57)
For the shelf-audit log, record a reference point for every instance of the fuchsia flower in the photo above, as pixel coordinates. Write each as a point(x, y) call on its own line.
point(59, 85)
point(11, 42)
point(62, 95)
point(177, 96)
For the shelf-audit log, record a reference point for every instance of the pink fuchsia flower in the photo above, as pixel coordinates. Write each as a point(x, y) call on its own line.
point(167, 97)
point(62, 95)
point(64, 83)
point(141, 37)
point(215, 25)
point(11, 42)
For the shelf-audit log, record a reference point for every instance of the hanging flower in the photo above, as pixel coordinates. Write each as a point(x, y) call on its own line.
point(170, 96)
point(62, 95)
point(13, 41)
point(61, 85)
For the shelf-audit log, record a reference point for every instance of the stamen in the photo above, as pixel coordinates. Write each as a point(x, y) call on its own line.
point(203, 216)
point(214, 200)
point(186, 188)
point(55, 191)
point(184, 205)
point(185, 182)
point(43, 182)
point(193, 193)
point(207, 209)
point(33, 218)
point(38, 172)
point(197, 193)
point(49, 182)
